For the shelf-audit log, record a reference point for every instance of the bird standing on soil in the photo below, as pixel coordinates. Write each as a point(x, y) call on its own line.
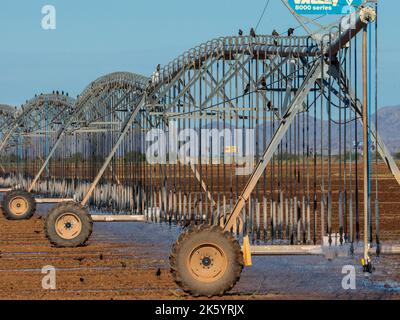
point(158, 273)
point(101, 256)
point(253, 33)
point(81, 279)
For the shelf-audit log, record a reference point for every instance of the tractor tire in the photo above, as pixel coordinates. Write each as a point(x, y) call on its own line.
point(68, 225)
point(18, 205)
point(206, 261)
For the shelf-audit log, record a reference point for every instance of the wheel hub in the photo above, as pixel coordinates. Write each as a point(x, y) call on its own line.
point(207, 263)
point(68, 226)
point(18, 205)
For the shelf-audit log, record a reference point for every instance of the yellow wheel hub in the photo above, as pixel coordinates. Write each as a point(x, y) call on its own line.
point(68, 226)
point(207, 263)
point(19, 206)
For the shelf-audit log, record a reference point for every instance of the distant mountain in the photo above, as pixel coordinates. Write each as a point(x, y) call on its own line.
point(388, 129)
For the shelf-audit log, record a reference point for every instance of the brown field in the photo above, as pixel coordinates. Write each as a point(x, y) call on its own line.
point(120, 261)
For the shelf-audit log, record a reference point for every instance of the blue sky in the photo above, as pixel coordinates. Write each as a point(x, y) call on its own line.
point(97, 37)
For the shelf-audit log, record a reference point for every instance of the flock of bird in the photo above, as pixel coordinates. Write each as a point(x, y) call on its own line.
point(263, 83)
point(275, 33)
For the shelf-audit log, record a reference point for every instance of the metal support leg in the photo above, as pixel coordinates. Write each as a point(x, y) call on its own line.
point(46, 162)
point(125, 129)
point(366, 262)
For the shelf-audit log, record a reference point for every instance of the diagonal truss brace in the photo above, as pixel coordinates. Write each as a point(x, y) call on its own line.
point(294, 108)
point(124, 130)
point(60, 134)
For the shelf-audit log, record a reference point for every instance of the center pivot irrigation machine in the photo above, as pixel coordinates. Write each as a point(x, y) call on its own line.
point(243, 139)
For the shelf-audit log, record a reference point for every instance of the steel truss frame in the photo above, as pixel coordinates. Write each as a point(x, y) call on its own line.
point(155, 101)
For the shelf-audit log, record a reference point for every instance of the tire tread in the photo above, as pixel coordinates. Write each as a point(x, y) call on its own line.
point(77, 208)
point(6, 208)
point(176, 273)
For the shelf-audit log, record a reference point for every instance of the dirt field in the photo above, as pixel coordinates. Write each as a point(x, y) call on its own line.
point(121, 260)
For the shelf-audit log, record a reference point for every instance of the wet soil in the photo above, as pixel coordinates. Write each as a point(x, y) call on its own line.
point(121, 260)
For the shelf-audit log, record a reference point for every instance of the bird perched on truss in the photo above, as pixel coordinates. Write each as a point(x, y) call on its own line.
point(253, 33)
point(240, 32)
point(156, 75)
point(290, 32)
point(247, 89)
point(263, 83)
point(275, 34)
